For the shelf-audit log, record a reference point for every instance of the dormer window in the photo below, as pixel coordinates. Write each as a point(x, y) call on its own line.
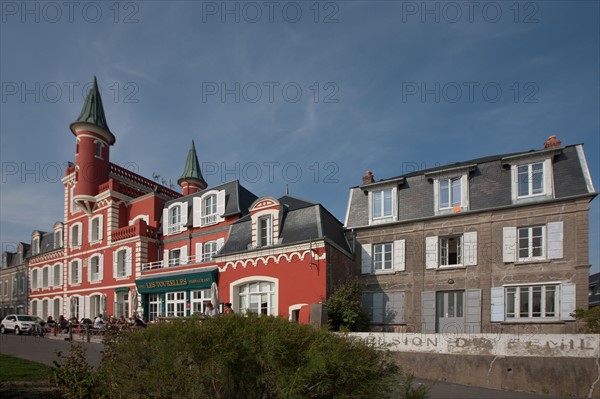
point(382, 204)
point(58, 239)
point(265, 231)
point(35, 246)
point(209, 208)
point(175, 218)
point(530, 179)
point(451, 189)
point(450, 193)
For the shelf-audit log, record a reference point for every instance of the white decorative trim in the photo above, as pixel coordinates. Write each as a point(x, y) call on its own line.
point(295, 307)
point(584, 168)
point(276, 258)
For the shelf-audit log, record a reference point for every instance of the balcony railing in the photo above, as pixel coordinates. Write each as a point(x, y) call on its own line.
point(181, 261)
point(138, 229)
point(147, 184)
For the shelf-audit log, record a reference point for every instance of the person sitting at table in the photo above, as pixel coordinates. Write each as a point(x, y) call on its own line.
point(98, 322)
point(50, 321)
point(121, 321)
point(63, 323)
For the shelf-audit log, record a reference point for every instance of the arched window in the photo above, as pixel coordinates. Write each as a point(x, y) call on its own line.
point(174, 219)
point(257, 297)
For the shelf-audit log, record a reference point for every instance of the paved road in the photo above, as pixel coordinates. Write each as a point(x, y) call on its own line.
point(44, 350)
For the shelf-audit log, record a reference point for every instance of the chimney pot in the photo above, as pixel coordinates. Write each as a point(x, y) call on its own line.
point(368, 178)
point(552, 142)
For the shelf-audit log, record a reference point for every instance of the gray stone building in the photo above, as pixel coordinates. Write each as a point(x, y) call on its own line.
point(13, 281)
point(495, 244)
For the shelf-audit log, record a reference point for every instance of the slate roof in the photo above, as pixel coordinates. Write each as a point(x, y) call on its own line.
point(594, 290)
point(489, 185)
point(11, 259)
point(93, 111)
point(46, 244)
point(302, 221)
point(237, 200)
point(191, 169)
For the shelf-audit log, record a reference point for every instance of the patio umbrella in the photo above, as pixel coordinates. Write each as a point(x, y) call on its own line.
point(214, 295)
point(73, 306)
point(103, 304)
point(134, 301)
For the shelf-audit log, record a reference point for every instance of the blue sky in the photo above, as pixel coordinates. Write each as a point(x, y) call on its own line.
point(300, 93)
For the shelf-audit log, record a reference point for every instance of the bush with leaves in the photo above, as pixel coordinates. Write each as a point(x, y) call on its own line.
point(234, 356)
point(591, 318)
point(73, 376)
point(345, 310)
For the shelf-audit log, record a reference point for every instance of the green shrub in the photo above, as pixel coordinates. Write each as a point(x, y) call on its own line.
point(591, 318)
point(73, 376)
point(344, 308)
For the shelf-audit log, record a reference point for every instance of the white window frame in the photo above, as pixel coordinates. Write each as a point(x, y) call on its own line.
point(35, 278)
point(170, 228)
point(57, 274)
point(96, 229)
point(547, 178)
point(97, 276)
point(175, 257)
point(468, 250)
point(98, 147)
point(155, 302)
point(75, 275)
point(445, 242)
point(382, 250)
point(35, 246)
point(122, 262)
point(516, 300)
point(46, 277)
point(530, 247)
point(530, 180)
point(210, 249)
point(382, 203)
point(75, 240)
point(264, 233)
point(58, 239)
point(234, 292)
point(176, 300)
point(463, 178)
point(198, 301)
point(203, 218)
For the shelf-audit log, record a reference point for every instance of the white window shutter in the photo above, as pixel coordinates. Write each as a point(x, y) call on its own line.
point(79, 271)
point(184, 215)
point(89, 237)
point(366, 262)
point(40, 278)
point(70, 273)
point(220, 243)
point(183, 254)
point(555, 240)
point(115, 264)
point(509, 244)
point(198, 252)
point(567, 301)
point(197, 212)
point(166, 258)
point(62, 271)
point(399, 254)
point(100, 267)
point(221, 203)
point(497, 300)
point(80, 234)
point(128, 261)
point(470, 248)
point(431, 252)
point(165, 222)
point(51, 276)
point(100, 227)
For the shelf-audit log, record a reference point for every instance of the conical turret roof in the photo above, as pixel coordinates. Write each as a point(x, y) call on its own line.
point(92, 112)
point(192, 171)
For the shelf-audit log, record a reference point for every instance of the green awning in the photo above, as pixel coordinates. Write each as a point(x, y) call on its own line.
point(121, 289)
point(177, 282)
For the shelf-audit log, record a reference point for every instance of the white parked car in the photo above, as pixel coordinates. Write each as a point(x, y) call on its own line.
point(19, 323)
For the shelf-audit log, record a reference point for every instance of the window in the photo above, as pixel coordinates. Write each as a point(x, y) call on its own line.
point(45, 277)
point(35, 246)
point(199, 301)
point(532, 302)
point(384, 307)
point(75, 235)
point(58, 239)
point(257, 297)
point(175, 304)
point(451, 251)
point(56, 308)
point(98, 146)
point(382, 257)
point(530, 179)
point(34, 307)
point(174, 257)
point(94, 268)
point(74, 307)
point(122, 265)
point(22, 285)
point(210, 249)
point(5, 287)
point(382, 204)
point(57, 275)
point(265, 231)
point(175, 220)
point(75, 272)
point(34, 279)
point(122, 304)
point(96, 229)
point(95, 306)
point(531, 242)
point(450, 193)
point(14, 287)
point(209, 210)
point(154, 306)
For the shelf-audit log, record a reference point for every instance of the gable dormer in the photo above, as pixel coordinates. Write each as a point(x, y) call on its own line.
point(266, 214)
point(36, 238)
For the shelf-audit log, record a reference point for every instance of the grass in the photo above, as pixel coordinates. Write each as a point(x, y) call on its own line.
point(24, 379)
point(15, 369)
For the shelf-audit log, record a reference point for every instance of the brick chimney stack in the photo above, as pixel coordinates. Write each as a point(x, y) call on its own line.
point(368, 178)
point(552, 142)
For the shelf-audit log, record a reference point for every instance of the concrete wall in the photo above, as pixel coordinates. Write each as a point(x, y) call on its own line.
point(557, 364)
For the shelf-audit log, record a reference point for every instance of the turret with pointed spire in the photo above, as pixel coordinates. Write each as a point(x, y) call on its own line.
point(191, 180)
point(92, 154)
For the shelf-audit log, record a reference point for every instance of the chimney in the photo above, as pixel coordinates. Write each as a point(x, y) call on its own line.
point(368, 178)
point(552, 142)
